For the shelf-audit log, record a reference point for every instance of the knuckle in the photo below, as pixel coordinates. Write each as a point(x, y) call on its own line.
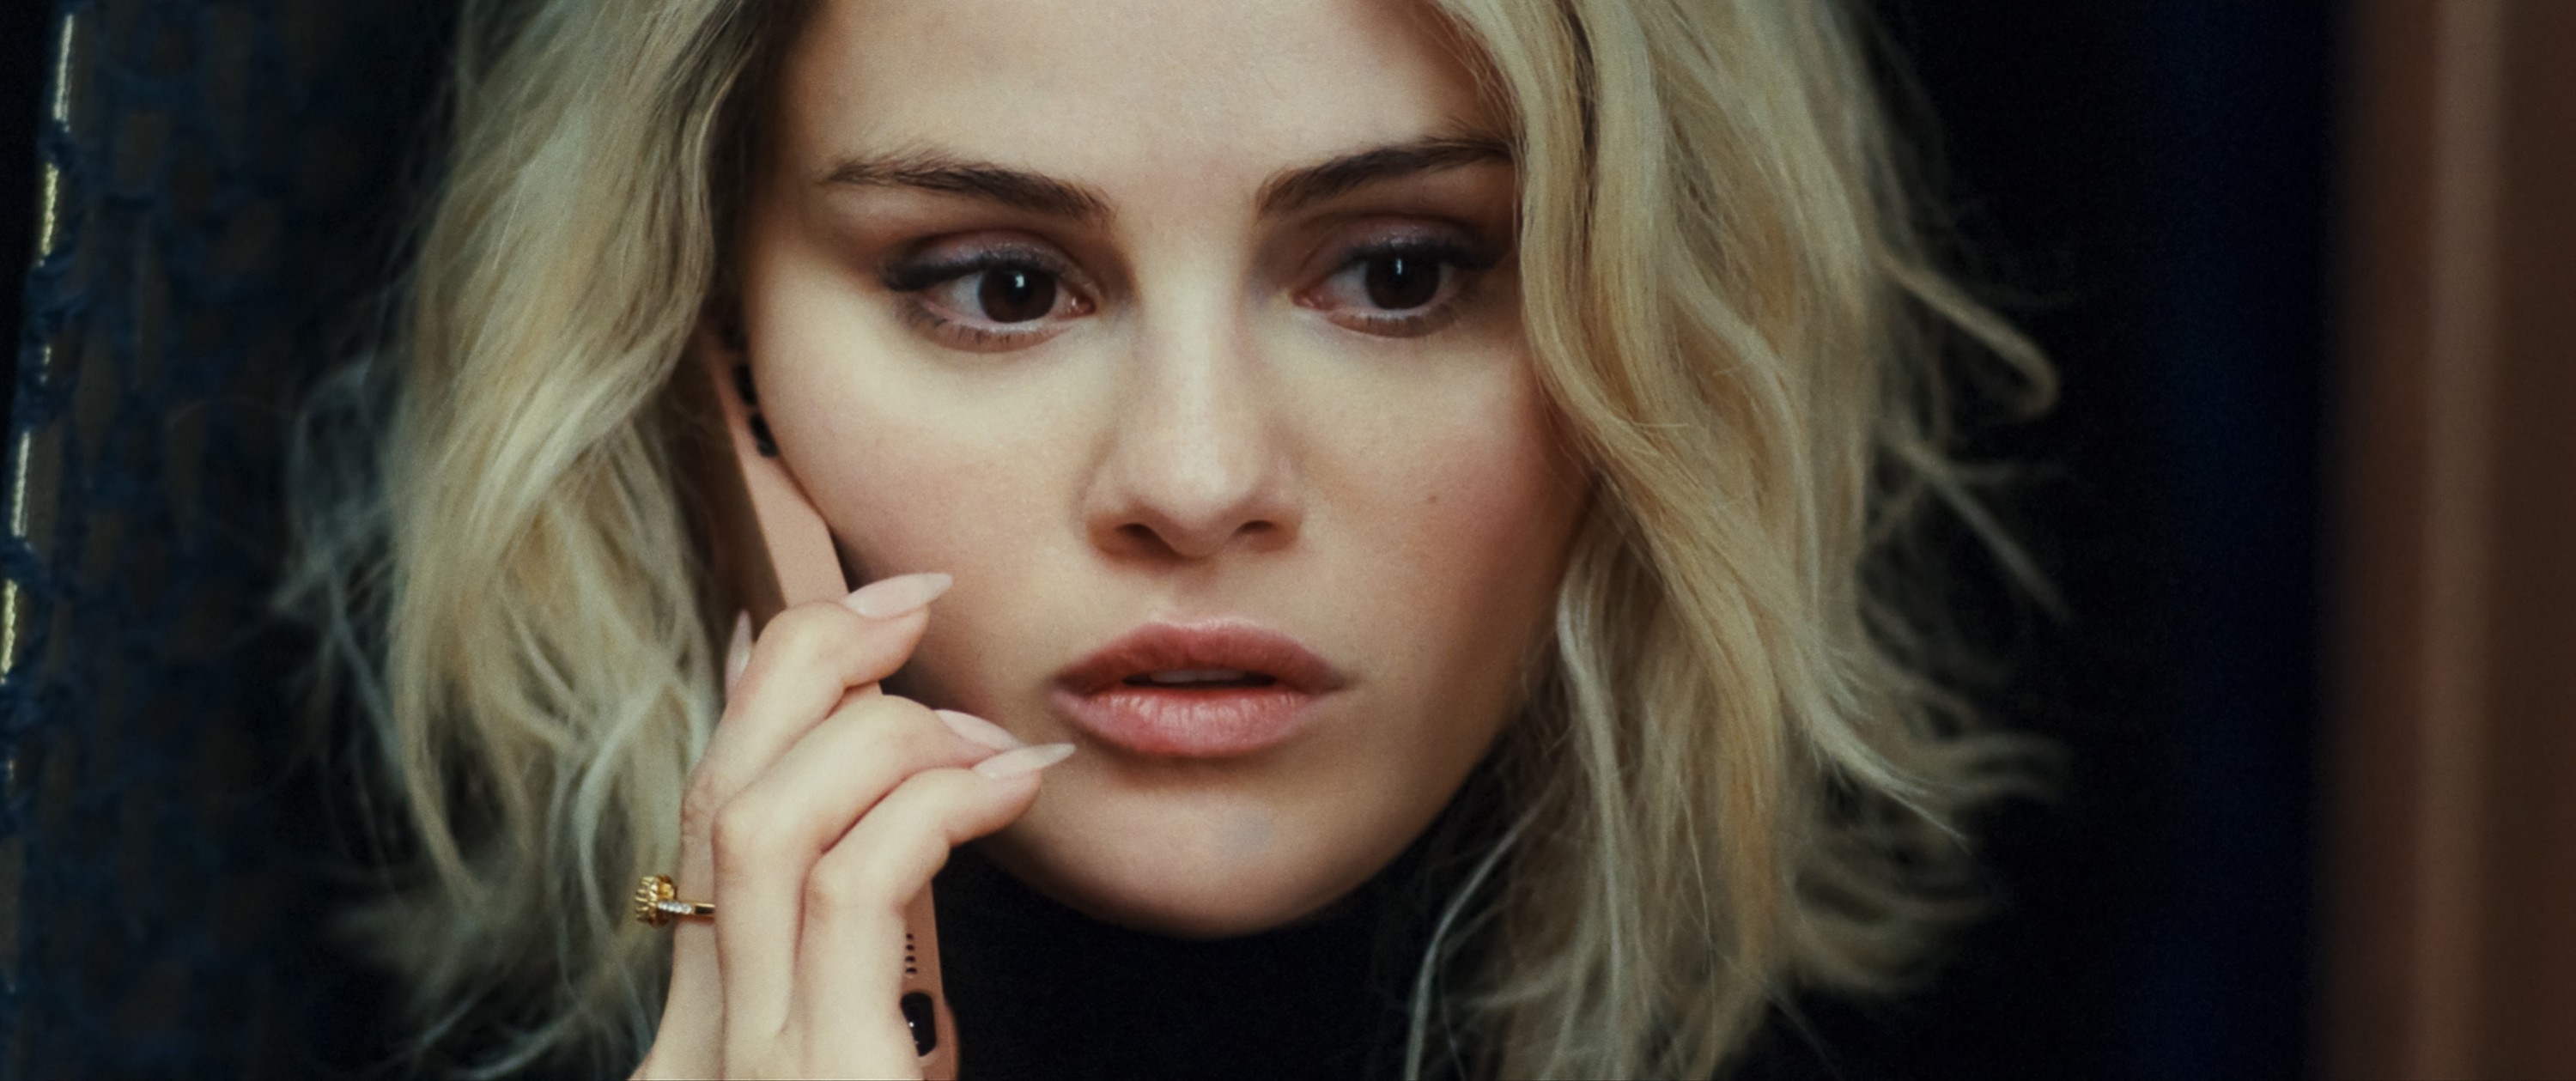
point(743, 828)
point(910, 725)
point(926, 803)
point(907, 729)
point(698, 805)
point(844, 887)
point(899, 843)
point(941, 789)
point(861, 884)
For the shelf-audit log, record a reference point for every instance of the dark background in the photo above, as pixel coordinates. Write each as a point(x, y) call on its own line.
point(2150, 187)
point(22, 88)
point(2146, 187)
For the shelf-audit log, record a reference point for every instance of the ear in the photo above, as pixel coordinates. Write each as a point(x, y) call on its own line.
point(772, 541)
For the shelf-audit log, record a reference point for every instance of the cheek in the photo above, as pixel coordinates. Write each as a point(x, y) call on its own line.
point(1463, 545)
point(915, 465)
point(980, 495)
point(1479, 511)
point(919, 497)
point(968, 496)
point(913, 476)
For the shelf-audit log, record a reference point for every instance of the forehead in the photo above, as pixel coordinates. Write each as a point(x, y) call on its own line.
point(1108, 89)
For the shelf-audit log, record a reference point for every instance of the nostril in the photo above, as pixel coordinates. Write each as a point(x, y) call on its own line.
point(1176, 538)
point(1192, 529)
point(1140, 538)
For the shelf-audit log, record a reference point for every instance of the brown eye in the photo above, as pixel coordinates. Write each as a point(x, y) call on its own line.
point(1404, 285)
point(1016, 294)
point(1402, 282)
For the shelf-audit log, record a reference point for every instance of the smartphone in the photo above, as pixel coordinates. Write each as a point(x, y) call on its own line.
point(769, 539)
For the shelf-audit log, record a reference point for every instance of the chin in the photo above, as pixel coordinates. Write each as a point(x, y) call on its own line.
point(1201, 866)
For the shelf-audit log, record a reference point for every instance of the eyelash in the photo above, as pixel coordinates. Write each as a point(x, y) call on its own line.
point(1469, 264)
point(909, 278)
point(1462, 267)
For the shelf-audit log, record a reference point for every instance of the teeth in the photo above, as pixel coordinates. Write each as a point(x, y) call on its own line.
point(1197, 675)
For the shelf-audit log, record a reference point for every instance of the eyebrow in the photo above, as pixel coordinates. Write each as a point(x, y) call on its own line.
point(934, 172)
point(1283, 193)
point(1302, 188)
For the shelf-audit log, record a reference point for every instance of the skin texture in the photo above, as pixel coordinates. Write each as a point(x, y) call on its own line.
point(1215, 418)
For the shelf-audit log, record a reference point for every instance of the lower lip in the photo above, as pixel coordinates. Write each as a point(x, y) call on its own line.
point(1168, 722)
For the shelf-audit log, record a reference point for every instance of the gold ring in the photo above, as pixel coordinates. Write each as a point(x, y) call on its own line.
point(657, 903)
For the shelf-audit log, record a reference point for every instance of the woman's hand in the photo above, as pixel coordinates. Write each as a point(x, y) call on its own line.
point(821, 808)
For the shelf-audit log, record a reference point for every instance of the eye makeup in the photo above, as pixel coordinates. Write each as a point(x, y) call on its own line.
point(987, 298)
point(1380, 276)
point(918, 270)
point(1402, 286)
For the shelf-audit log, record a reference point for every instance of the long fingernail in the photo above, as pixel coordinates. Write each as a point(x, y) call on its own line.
point(738, 654)
point(979, 730)
point(1022, 762)
point(891, 597)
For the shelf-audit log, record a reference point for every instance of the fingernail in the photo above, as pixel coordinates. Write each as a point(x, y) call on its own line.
point(1022, 762)
point(890, 597)
point(979, 730)
point(738, 654)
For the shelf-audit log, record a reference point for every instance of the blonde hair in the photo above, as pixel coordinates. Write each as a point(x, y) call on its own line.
point(1735, 775)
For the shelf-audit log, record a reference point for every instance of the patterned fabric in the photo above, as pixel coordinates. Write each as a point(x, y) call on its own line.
point(219, 189)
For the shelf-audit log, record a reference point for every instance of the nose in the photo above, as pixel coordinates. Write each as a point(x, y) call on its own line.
point(1195, 466)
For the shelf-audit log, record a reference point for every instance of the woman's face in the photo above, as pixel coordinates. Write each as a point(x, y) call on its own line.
point(1185, 335)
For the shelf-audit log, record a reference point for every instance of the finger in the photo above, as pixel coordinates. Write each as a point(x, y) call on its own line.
point(804, 662)
point(686, 1040)
point(860, 648)
point(767, 838)
point(850, 966)
point(812, 656)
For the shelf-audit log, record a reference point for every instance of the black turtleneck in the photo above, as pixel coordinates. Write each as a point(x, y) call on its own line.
point(1040, 990)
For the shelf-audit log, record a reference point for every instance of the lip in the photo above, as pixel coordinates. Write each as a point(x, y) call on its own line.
point(1208, 722)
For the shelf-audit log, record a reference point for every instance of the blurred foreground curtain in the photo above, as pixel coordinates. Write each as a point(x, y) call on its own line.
point(2451, 886)
point(217, 194)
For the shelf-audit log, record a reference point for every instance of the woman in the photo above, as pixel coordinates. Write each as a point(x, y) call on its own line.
point(1308, 417)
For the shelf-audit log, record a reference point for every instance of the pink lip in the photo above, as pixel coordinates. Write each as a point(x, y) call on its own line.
point(1201, 722)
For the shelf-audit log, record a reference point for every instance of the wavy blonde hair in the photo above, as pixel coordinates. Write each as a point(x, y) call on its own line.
point(1735, 777)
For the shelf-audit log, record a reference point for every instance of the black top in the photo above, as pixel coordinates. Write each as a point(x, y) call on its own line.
point(1040, 990)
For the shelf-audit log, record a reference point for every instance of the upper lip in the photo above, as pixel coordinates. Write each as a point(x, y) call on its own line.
point(1168, 647)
